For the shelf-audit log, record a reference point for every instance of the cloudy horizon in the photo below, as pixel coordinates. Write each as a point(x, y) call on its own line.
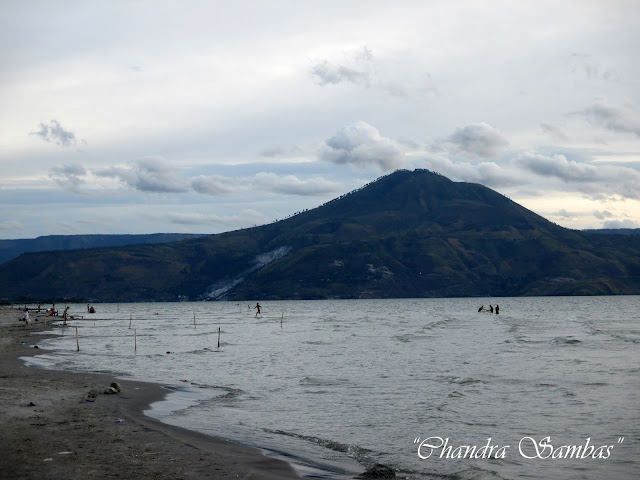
point(205, 117)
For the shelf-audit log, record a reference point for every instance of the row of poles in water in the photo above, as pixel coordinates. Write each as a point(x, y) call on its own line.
point(135, 336)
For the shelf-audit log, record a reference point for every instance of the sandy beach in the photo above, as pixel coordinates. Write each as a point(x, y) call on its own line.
point(57, 424)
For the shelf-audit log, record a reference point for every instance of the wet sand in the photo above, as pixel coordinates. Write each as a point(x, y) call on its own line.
point(56, 424)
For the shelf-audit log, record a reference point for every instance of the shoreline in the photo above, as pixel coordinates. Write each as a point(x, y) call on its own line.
point(60, 424)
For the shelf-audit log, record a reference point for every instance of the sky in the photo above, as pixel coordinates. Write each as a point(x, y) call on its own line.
point(209, 116)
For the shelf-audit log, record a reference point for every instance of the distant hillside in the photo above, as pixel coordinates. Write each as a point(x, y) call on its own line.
point(615, 231)
point(408, 234)
point(10, 249)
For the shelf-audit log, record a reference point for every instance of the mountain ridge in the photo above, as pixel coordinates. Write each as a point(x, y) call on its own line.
point(408, 234)
point(13, 248)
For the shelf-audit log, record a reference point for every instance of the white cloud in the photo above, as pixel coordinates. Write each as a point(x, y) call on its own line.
point(361, 145)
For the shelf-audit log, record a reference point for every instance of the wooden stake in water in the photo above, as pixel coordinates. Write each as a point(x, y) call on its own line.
point(194, 319)
point(135, 341)
point(130, 318)
point(281, 319)
point(77, 342)
point(218, 337)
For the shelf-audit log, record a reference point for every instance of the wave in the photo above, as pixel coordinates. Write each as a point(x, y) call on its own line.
point(462, 380)
point(566, 340)
point(322, 382)
point(362, 455)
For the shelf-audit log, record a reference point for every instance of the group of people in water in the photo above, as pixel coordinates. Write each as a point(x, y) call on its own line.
point(495, 310)
point(52, 312)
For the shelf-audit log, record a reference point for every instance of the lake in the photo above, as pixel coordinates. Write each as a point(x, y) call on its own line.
point(549, 388)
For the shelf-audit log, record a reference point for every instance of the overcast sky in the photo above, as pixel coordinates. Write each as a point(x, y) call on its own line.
point(208, 116)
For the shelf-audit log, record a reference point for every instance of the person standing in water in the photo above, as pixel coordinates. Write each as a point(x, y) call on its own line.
point(258, 307)
point(497, 309)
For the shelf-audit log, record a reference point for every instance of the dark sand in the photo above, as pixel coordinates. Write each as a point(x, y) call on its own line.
point(48, 429)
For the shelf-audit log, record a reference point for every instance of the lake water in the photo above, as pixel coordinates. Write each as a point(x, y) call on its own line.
point(334, 386)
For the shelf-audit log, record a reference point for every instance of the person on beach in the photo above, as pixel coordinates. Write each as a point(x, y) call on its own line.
point(491, 308)
point(481, 308)
point(497, 309)
point(259, 311)
point(26, 317)
point(64, 316)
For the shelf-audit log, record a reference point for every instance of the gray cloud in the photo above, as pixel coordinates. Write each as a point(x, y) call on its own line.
point(361, 145)
point(10, 227)
point(612, 118)
point(147, 175)
point(266, 182)
point(477, 139)
point(212, 185)
point(54, 132)
point(626, 223)
point(558, 166)
point(356, 71)
point(394, 77)
point(554, 131)
point(242, 219)
point(562, 213)
point(486, 173)
point(292, 185)
point(587, 65)
point(597, 181)
point(543, 172)
point(327, 73)
point(69, 176)
point(601, 215)
point(281, 151)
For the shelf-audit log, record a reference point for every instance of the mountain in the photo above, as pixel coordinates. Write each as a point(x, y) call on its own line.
point(10, 249)
point(408, 234)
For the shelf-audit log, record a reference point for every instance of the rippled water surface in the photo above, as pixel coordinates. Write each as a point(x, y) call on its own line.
point(335, 382)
